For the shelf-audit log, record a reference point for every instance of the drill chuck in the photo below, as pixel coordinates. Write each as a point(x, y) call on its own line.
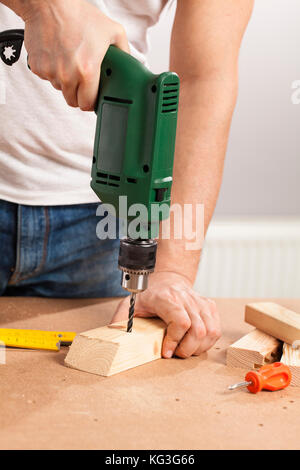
point(136, 261)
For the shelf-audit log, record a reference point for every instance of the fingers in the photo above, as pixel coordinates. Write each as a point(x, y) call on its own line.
point(40, 66)
point(67, 80)
point(79, 88)
point(88, 87)
point(79, 82)
point(195, 335)
point(211, 321)
point(55, 84)
point(205, 327)
point(70, 94)
point(179, 323)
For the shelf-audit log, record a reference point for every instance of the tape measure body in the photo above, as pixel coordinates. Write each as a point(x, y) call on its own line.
point(35, 339)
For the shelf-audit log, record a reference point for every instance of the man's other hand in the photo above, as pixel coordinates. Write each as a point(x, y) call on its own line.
point(193, 324)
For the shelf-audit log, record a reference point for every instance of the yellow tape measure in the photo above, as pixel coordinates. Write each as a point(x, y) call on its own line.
point(35, 339)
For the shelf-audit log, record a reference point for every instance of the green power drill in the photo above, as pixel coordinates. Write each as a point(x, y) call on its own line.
point(133, 151)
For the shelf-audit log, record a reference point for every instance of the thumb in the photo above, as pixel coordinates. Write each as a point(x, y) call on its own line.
point(121, 313)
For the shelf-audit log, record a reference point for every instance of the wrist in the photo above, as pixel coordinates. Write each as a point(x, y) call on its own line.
point(27, 8)
point(172, 275)
point(172, 256)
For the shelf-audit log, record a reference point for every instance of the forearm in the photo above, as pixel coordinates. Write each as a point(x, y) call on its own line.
point(205, 112)
point(205, 45)
point(20, 7)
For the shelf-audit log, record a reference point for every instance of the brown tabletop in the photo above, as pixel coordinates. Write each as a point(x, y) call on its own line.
point(167, 404)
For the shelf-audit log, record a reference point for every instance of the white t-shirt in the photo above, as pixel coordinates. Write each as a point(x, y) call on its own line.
point(46, 146)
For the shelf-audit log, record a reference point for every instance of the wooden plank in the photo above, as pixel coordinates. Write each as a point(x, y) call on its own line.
point(110, 349)
point(291, 357)
point(275, 320)
point(253, 351)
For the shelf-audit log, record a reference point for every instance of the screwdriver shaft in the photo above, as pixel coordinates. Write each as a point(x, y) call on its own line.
point(239, 385)
point(131, 312)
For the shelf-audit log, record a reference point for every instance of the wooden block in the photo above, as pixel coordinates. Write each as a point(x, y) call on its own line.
point(274, 320)
point(291, 357)
point(110, 349)
point(253, 351)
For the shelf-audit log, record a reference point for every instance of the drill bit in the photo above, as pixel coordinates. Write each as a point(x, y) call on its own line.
point(131, 312)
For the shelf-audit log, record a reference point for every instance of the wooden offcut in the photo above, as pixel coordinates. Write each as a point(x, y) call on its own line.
point(253, 351)
point(275, 320)
point(291, 357)
point(110, 349)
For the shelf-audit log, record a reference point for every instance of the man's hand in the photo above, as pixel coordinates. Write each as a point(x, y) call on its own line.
point(66, 41)
point(193, 321)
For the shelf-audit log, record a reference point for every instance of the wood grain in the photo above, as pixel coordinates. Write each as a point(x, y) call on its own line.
point(291, 357)
point(110, 349)
point(253, 351)
point(275, 320)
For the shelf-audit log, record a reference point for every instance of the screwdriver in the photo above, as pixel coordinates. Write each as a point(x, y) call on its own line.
point(270, 377)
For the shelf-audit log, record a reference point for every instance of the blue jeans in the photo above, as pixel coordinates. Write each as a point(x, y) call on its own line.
point(54, 252)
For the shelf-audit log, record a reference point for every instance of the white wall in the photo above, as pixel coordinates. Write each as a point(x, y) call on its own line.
point(262, 171)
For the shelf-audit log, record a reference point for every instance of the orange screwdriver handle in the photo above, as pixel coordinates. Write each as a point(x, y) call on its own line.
point(271, 377)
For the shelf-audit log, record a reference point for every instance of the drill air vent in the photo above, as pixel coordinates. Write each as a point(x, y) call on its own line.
point(170, 98)
point(109, 180)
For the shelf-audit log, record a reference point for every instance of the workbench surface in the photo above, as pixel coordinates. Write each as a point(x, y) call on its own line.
point(166, 404)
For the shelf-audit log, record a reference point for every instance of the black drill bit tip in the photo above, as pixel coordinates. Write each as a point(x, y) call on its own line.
point(131, 313)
